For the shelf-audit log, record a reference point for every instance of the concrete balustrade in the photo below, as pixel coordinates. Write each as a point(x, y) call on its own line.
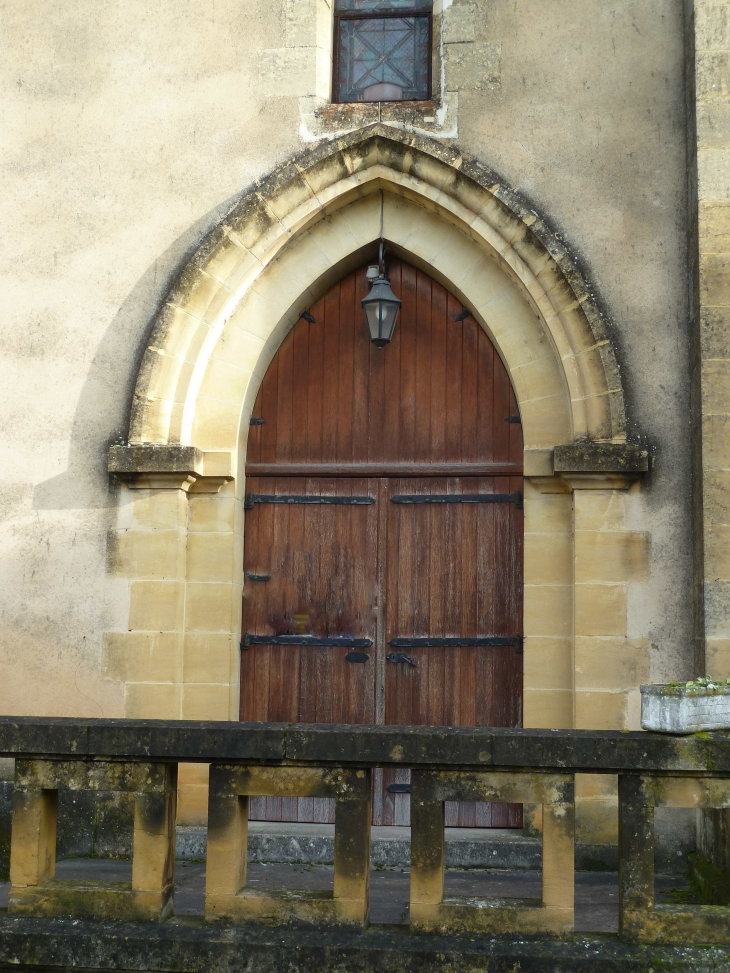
point(432, 912)
point(640, 917)
point(226, 894)
point(536, 767)
point(35, 890)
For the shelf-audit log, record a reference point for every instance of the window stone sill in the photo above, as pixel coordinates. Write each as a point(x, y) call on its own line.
point(321, 119)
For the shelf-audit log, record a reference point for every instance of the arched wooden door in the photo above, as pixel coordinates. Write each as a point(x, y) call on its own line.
point(383, 539)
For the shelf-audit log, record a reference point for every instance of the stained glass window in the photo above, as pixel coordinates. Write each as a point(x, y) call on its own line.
point(382, 50)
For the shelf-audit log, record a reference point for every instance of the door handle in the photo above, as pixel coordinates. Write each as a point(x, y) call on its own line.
point(397, 657)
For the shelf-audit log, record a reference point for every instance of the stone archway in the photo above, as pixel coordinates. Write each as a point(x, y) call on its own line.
point(228, 277)
point(179, 540)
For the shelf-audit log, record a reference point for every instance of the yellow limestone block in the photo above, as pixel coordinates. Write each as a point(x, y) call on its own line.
point(212, 556)
point(600, 609)
point(618, 556)
point(156, 605)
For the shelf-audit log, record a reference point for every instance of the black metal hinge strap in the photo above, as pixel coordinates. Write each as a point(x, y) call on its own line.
point(252, 576)
point(256, 421)
point(466, 642)
point(335, 642)
point(513, 419)
point(515, 498)
point(398, 788)
point(254, 498)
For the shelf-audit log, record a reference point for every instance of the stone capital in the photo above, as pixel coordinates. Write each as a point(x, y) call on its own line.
point(148, 466)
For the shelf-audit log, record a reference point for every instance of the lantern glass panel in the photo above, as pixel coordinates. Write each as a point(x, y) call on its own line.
point(381, 308)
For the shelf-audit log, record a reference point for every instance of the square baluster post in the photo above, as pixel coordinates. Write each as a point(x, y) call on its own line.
point(353, 814)
point(636, 851)
point(153, 849)
point(227, 837)
point(558, 857)
point(33, 838)
point(428, 850)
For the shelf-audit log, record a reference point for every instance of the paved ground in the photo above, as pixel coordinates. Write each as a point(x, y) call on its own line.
point(596, 893)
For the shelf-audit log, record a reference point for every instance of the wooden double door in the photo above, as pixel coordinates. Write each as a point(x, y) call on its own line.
point(383, 579)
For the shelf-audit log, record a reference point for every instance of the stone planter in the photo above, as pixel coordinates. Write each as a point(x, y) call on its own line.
point(685, 709)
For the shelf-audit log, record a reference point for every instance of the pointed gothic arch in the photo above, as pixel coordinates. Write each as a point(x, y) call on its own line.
point(295, 232)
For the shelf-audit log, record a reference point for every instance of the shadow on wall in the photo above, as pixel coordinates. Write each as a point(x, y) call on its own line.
point(102, 411)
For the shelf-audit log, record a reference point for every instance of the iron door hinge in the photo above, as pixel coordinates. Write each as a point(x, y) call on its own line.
point(314, 640)
point(253, 498)
point(458, 642)
point(515, 498)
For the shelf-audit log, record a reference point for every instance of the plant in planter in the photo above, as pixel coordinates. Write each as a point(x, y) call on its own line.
point(686, 707)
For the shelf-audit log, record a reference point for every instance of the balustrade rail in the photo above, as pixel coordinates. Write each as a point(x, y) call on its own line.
point(447, 764)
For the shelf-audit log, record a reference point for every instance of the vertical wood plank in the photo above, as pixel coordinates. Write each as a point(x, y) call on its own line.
point(331, 355)
point(315, 383)
point(454, 376)
point(424, 355)
point(406, 398)
point(348, 438)
point(438, 389)
point(488, 361)
point(299, 390)
point(470, 387)
point(284, 403)
point(501, 408)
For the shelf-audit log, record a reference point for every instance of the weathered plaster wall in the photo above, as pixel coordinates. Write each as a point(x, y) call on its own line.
point(129, 129)
point(588, 119)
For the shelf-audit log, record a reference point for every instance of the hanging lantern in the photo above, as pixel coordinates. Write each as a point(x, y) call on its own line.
point(381, 306)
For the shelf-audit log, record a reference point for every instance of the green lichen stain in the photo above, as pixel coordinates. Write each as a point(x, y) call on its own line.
point(708, 884)
point(4, 855)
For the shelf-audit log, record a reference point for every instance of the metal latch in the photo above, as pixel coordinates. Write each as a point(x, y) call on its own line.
point(401, 657)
